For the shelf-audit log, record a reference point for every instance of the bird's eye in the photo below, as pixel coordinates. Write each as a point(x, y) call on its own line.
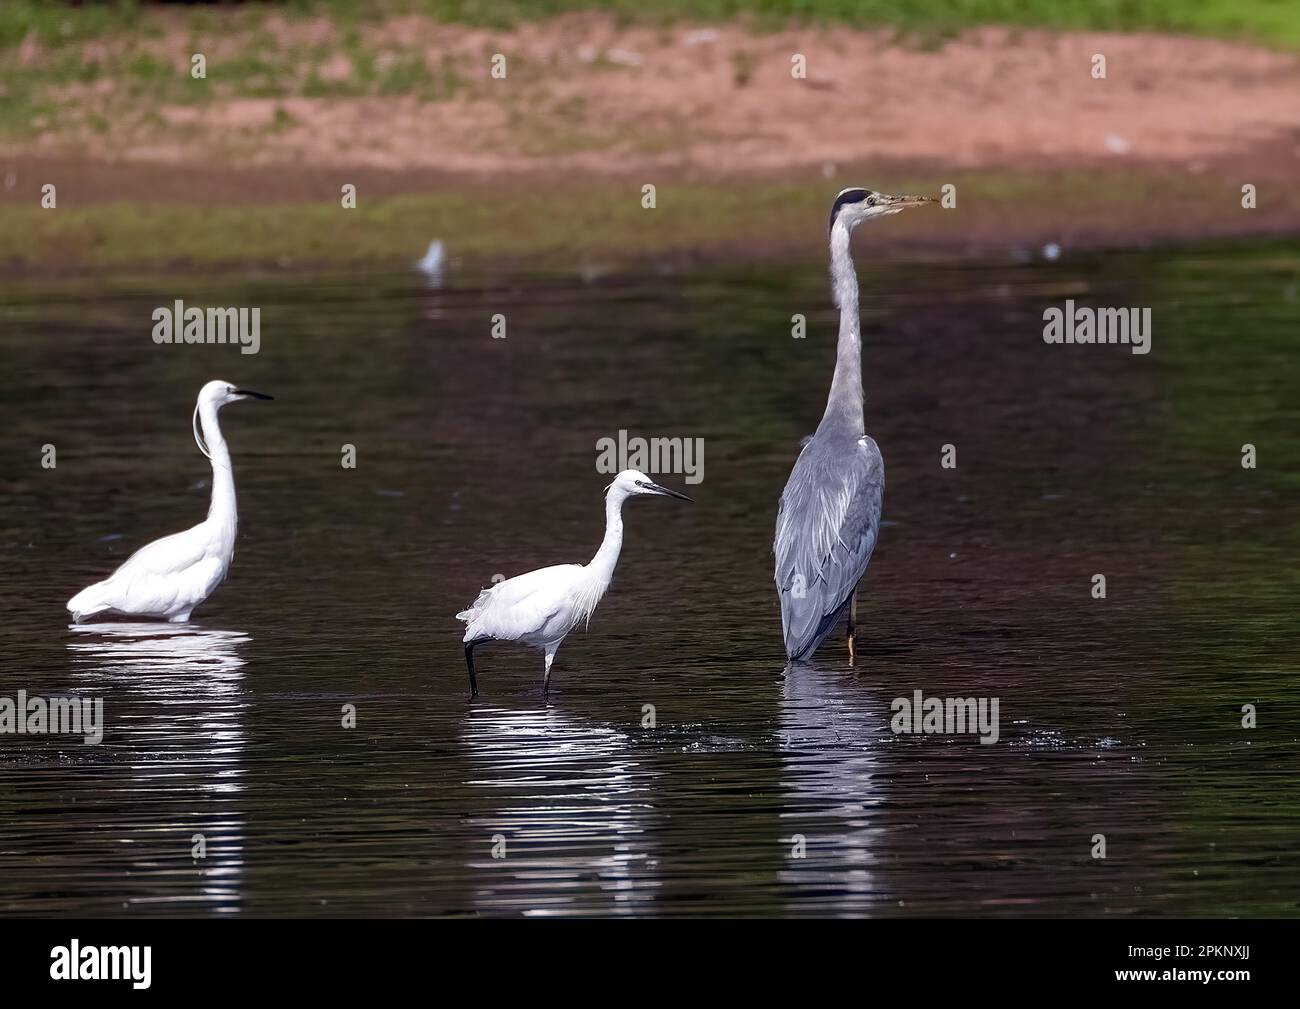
point(640, 483)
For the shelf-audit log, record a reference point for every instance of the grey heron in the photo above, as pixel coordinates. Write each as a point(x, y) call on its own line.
point(829, 516)
point(541, 607)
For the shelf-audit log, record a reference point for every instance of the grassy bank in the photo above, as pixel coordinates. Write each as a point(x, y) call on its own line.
point(604, 222)
point(156, 167)
point(1275, 22)
point(90, 67)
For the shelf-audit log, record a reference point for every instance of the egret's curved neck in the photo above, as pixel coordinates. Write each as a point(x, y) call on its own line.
point(599, 571)
point(222, 509)
point(601, 567)
point(844, 404)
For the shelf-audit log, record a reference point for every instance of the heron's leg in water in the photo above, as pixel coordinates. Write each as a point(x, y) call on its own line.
point(546, 683)
point(853, 623)
point(469, 661)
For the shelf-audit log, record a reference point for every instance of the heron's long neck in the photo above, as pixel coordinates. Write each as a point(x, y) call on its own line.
point(844, 404)
point(221, 511)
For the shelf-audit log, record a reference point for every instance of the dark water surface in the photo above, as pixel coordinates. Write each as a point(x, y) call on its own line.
point(1118, 716)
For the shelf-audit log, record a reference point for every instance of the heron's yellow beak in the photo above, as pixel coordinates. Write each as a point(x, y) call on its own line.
point(883, 200)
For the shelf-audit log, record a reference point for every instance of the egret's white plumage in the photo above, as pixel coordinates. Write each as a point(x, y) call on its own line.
point(541, 607)
point(432, 263)
point(172, 575)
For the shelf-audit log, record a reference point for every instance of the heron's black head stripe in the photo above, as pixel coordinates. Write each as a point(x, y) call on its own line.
point(848, 196)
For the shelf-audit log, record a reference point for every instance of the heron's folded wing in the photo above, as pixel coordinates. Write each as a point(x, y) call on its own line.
point(826, 529)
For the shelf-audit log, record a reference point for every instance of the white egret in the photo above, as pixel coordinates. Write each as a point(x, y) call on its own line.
point(432, 263)
point(169, 577)
point(541, 607)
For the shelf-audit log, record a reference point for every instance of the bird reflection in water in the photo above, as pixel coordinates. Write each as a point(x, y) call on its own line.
point(179, 688)
point(570, 801)
point(833, 782)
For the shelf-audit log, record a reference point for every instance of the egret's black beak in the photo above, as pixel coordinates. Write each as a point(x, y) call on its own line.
point(254, 395)
point(660, 489)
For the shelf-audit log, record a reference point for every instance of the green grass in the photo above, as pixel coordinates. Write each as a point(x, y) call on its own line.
point(1268, 21)
point(1275, 22)
point(554, 225)
point(603, 220)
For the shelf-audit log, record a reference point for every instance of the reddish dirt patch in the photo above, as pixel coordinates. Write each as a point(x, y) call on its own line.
point(583, 93)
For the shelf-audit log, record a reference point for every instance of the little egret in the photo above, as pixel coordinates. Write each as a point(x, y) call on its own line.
point(169, 577)
point(829, 514)
point(541, 607)
point(431, 264)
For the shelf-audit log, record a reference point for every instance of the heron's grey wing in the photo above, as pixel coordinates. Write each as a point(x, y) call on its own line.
point(826, 529)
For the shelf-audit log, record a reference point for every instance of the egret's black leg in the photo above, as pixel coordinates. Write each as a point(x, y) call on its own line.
point(469, 661)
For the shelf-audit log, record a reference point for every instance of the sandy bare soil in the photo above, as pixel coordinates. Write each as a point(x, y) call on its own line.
point(583, 94)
